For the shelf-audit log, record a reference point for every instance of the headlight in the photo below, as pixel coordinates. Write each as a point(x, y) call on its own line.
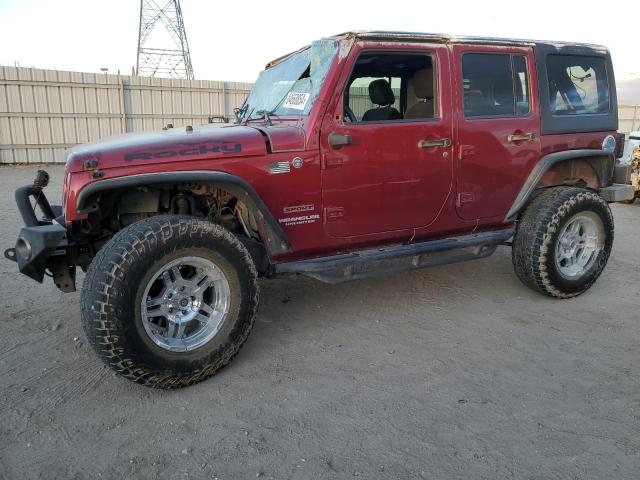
point(609, 144)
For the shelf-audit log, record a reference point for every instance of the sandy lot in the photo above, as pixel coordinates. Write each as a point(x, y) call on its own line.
point(453, 372)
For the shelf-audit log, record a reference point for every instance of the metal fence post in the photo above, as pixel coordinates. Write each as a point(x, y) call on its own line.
point(226, 100)
point(127, 109)
point(123, 117)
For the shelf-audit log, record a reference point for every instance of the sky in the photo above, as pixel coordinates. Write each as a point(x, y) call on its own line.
point(232, 40)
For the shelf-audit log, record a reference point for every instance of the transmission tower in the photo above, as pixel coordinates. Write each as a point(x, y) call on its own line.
point(163, 50)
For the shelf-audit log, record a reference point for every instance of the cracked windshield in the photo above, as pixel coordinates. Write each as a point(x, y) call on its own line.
point(292, 85)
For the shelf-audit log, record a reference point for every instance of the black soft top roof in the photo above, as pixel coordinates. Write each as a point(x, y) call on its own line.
point(395, 36)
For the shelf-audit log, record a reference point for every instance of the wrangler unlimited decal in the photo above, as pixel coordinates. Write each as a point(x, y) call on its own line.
point(289, 221)
point(183, 152)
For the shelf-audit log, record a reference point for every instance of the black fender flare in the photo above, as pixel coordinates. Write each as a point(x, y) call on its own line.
point(274, 236)
point(602, 162)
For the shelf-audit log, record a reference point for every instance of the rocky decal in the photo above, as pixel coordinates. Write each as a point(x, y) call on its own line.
point(184, 150)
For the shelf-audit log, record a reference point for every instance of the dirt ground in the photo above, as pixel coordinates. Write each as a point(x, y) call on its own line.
point(451, 372)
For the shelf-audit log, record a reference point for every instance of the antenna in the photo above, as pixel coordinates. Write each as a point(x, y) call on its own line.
point(162, 28)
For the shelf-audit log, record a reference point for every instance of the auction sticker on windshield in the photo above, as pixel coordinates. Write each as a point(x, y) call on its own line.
point(296, 100)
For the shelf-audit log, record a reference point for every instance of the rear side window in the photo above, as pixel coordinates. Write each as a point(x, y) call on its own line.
point(495, 85)
point(578, 84)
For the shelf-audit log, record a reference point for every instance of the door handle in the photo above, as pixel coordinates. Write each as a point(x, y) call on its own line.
point(521, 137)
point(339, 140)
point(443, 142)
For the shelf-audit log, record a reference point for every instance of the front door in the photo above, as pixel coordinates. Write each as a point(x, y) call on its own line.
point(386, 152)
point(498, 127)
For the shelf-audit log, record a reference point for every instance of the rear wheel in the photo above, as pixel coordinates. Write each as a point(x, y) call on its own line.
point(169, 300)
point(563, 241)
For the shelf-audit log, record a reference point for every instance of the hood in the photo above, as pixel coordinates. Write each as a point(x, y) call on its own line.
point(171, 145)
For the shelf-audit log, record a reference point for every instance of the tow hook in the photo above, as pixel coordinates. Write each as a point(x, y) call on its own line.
point(10, 254)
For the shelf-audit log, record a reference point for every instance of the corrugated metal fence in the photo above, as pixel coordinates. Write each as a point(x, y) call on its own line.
point(44, 112)
point(629, 118)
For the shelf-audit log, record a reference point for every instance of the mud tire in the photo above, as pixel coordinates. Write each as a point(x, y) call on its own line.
point(114, 286)
point(535, 241)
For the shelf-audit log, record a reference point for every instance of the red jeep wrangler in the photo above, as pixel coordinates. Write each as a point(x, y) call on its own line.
point(364, 153)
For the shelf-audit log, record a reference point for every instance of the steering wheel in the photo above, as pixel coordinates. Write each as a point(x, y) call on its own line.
point(349, 115)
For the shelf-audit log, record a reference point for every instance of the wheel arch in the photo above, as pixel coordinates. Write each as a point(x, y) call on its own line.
point(272, 232)
point(590, 168)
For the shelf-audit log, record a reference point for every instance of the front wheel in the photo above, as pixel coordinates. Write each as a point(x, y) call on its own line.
point(563, 241)
point(169, 300)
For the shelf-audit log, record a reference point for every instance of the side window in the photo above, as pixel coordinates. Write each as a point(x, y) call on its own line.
point(577, 84)
point(495, 85)
point(360, 101)
point(390, 87)
point(520, 84)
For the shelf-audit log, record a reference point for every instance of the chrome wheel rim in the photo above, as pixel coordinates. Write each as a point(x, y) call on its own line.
point(185, 303)
point(578, 245)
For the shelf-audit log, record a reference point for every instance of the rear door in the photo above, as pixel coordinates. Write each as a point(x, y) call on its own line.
point(498, 127)
point(396, 173)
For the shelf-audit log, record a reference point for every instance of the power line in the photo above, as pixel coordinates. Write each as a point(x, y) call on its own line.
point(163, 50)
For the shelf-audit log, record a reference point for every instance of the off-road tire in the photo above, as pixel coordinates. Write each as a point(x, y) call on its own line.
point(112, 292)
point(538, 228)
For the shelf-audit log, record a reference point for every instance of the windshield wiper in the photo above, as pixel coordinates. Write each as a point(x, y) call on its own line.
point(239, 112)
point(264, 114)
point(267, 118)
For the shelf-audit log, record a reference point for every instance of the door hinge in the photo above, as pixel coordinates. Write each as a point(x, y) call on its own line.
point(90, 164)
point(331, 161)
point(333, 213)
point(467, 151)
point(464, 197)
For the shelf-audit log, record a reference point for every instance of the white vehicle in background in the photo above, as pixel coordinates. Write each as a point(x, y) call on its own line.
point(631, 157)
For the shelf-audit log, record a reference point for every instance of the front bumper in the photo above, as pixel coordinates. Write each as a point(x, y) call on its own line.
point(42, 244)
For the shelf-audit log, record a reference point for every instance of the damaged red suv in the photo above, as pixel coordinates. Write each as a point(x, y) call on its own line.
point(363, 153)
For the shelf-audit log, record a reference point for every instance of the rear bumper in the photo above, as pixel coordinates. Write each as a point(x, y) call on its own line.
point(42, 244)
